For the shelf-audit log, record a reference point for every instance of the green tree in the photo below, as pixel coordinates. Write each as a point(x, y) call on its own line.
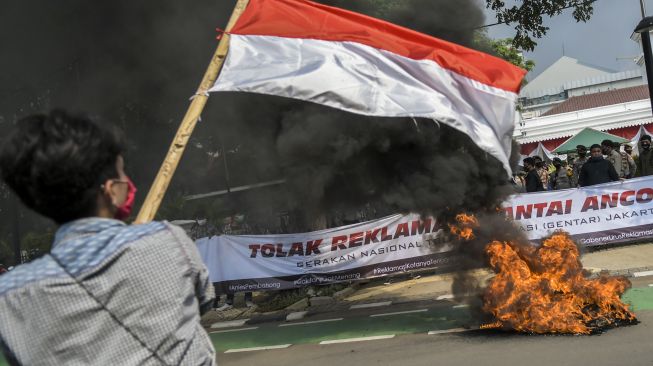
point(6, 254)
point(503, 48)
point(37, 243)
point(527, 18)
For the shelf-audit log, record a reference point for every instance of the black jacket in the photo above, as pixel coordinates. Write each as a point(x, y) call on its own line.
point(645, 163)
point(533, 182)
point(597, 171)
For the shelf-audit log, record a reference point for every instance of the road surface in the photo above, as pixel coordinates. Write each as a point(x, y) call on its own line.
point(402, 338)
point(430, 333)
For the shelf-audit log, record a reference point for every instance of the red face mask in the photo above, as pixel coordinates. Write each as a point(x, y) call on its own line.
point(125, 209)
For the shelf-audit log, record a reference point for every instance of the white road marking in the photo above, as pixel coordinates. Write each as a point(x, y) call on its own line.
point(232, 330)
point(460, 306)
point(257, 348)
point(643, 274)
point(311, 322)
point(453, 330)
point(229, 324)
point(445, 297)
point(371, 305)
point(400, 312)
point(361, 339)
point(296, 315)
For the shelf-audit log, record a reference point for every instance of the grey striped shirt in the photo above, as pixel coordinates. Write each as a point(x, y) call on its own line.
point(109, 294)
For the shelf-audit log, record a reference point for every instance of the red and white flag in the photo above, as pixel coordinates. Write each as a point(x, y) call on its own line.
point(313, 52)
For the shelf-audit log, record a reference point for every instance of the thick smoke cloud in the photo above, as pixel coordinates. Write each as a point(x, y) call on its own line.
point(335, 161)
point(135, 64)
point(451, 20)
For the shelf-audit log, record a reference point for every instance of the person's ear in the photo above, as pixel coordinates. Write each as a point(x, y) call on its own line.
point(108, 191)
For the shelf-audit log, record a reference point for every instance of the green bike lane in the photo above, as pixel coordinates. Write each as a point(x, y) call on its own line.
point(433, 319)
point(355, 327)
point(437, 318)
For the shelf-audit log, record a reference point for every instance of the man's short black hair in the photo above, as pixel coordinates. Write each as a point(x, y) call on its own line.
point(56, 163)
point(606, 143)
point(537, 158)
point(581, 147)
point(529, 161)
point(645, 137)
point(595, 146)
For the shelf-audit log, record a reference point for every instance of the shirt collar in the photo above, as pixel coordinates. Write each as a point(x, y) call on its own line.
point(81, 227)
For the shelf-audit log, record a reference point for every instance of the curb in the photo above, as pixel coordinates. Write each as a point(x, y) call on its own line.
point(337, 304)
point(298, 315)
point(273, 316)
point(630, 272)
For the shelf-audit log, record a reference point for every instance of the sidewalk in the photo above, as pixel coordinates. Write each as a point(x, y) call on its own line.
point(625, 261)
point(616, 261)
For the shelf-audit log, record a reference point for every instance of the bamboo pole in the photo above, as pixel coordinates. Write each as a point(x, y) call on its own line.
point(176, 150)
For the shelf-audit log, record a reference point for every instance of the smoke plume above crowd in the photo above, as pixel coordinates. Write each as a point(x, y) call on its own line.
point(135, 64)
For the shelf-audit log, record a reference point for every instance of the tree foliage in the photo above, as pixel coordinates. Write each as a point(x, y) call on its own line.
point(527, 17)
point(503, 48)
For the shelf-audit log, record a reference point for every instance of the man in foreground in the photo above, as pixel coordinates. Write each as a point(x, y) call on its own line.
point(597, 170)
point(107, 293)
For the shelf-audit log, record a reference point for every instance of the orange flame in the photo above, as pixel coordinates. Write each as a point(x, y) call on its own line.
point(465, 227)
point(543, 289)
point(493, 325)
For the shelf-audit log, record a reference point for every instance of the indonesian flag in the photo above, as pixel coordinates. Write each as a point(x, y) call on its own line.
point(317, 53)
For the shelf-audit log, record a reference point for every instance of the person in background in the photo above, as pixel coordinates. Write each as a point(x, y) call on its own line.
point(577, 165)
point(613, 156)
point(107, 293)
point(628, 166)
point(645, 161)
point(233, 225)
point(229, 302)
point(567, 167)
point(628, 149)
point(559, 178)
point(597, 170)
point(533, 181)
point(542, 171)
point(518, 181)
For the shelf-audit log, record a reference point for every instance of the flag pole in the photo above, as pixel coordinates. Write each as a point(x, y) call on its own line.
point(176, 150)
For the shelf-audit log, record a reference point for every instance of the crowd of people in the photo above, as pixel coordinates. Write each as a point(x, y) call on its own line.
point(605, 163)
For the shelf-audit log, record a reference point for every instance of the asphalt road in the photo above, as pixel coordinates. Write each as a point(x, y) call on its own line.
point(622, 346)
point(399, 335)
point(404, 339)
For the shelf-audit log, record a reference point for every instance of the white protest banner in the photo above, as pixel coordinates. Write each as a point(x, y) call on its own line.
point(602, 214)
point(393, 244)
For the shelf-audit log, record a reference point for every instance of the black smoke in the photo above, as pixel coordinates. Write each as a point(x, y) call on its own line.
point(339, 162)
point(136, 63)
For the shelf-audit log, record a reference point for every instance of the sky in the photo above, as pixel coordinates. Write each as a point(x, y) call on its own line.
point(603, 41)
